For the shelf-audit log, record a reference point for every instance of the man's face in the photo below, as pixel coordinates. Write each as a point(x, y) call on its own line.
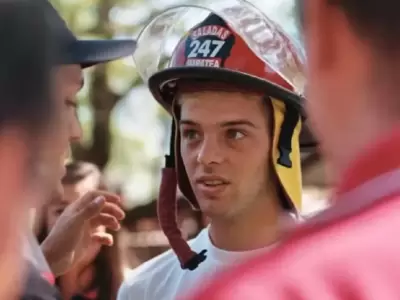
point(225, 145)
point(69, 81)
point(65, 128)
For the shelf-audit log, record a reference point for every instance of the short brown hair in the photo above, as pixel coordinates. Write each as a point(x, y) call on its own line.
point(78, 170)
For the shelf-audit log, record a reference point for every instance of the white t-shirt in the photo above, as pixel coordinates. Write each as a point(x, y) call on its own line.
point(162, 277)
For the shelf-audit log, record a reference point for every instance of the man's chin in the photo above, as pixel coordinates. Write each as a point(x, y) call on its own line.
point(212, 208)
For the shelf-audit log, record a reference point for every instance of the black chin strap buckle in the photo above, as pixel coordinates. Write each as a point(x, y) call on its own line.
point(195, 261)
point(285, 138)
point(170, 158)
point(284, 157)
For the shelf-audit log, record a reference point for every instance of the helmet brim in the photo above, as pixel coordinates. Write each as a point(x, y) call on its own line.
point(163, 85)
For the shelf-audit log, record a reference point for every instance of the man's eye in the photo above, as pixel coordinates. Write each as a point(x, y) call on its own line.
point(234, 134)
point(190, 134)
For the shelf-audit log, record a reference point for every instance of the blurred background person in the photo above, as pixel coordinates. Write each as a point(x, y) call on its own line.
point(98, 274)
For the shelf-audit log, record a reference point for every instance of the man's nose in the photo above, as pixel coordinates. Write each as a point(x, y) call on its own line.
point(75, 130)
point(210, 152)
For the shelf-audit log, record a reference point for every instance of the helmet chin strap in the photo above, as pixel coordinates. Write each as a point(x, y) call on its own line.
point(285, 139)
point(167, 212)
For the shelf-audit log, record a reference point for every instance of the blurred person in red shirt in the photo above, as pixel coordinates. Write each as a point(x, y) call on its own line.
point(351, 250)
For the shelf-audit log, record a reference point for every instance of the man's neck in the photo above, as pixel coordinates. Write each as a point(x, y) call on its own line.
point(253, 229)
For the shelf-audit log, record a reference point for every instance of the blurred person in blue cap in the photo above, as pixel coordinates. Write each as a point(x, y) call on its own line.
point(76, 55)
point(76, 228)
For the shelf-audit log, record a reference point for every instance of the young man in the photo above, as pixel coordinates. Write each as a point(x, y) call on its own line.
point(236, 146)
point(351, 250)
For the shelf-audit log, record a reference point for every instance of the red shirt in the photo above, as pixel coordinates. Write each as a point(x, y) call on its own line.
point(350, 251)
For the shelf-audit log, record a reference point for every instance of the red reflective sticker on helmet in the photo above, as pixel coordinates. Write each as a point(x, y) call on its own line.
point(209, 44)
point(213, 43)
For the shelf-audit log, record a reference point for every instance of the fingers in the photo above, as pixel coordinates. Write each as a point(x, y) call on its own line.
point(92, 208)
point(103, 238)
point(93, 203)
point(105, 220)
point(83, 202)
point(114, 210)
point(108, 214)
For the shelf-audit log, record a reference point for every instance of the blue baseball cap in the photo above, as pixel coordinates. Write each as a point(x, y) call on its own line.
point(84, 52)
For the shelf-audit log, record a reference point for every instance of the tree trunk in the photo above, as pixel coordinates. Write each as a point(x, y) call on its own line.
point(102, 99)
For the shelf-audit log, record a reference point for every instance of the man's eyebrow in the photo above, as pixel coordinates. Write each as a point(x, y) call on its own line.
point(222, 124)
point(238, 123)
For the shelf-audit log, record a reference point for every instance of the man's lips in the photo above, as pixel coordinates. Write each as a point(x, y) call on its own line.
point(211, 180)
point(211, 186)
